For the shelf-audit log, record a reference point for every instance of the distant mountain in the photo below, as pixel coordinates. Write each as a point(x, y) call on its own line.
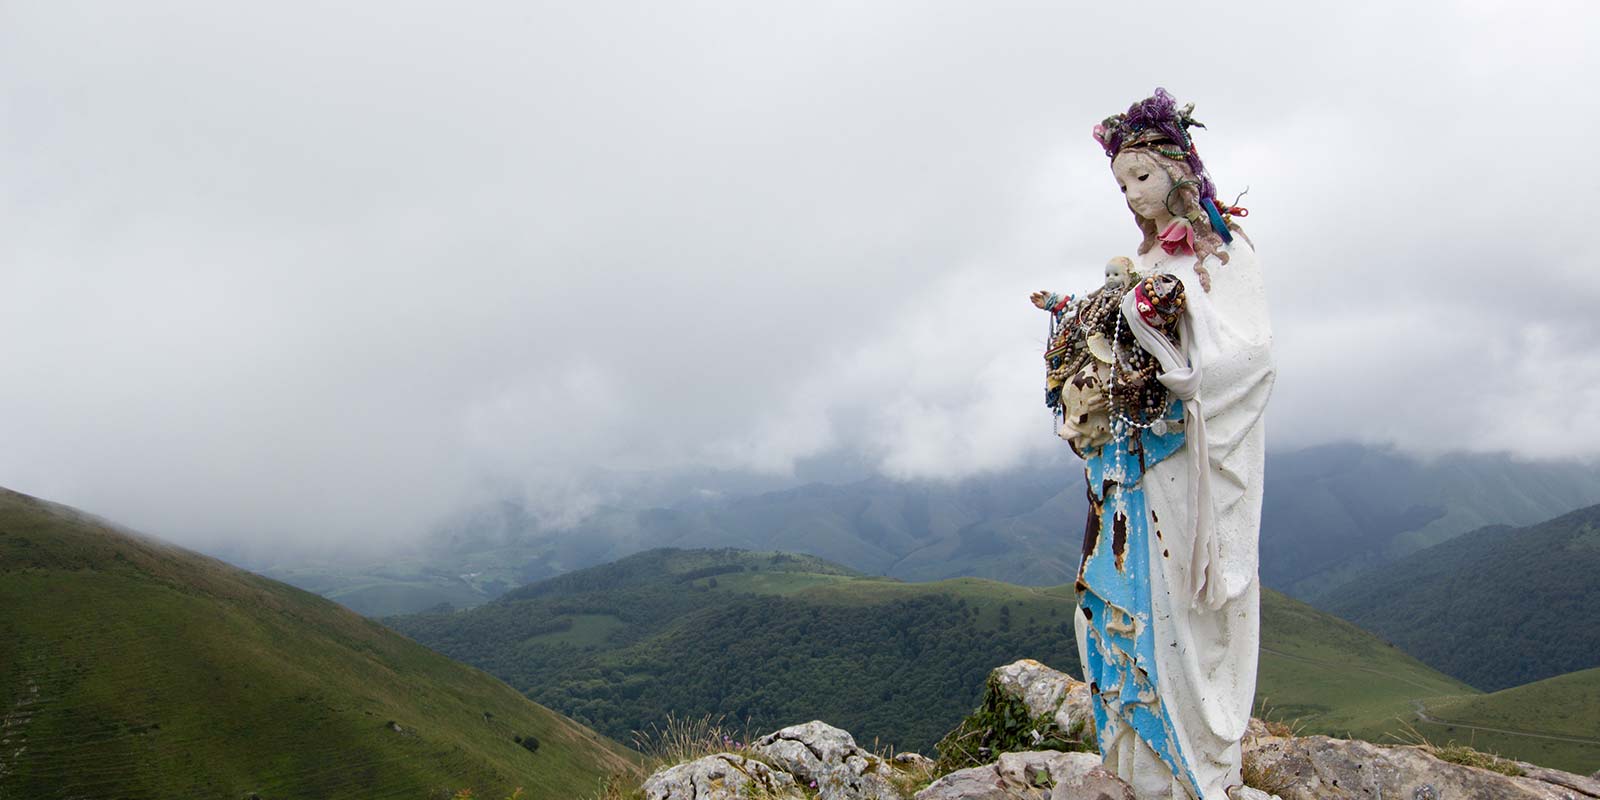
point(1497, 607)
point(1555, 722)
point(130, 668)
point(771, 637)
point(1330, 513)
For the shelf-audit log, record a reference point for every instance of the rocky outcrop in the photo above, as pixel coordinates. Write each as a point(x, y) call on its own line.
point(1032, 775)
point(1321, 768)
point(721, 776)
point(827, 758)
point(817, 759)
point(1047, 691)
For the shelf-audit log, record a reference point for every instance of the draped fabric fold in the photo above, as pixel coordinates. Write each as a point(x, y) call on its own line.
point(1182, 374)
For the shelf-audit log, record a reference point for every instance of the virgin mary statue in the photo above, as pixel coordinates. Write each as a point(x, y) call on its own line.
point(1160, 379)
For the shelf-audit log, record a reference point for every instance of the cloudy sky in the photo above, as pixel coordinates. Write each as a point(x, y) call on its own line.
point(310, 272)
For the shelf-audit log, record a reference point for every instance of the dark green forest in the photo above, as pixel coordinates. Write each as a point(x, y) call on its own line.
point(619, 646)
point(1496, 608)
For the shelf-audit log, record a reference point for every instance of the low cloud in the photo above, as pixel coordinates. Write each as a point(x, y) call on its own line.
point(294, 276)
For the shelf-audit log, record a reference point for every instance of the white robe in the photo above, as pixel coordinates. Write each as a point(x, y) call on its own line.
point(1206, 656)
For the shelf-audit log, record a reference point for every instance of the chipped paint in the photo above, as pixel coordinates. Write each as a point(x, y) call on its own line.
point(1114, 593)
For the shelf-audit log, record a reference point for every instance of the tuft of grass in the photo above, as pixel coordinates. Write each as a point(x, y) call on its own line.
point(1279, 727)
point(679, 741)
point(466, 794)
point(1259, 776)
point(1458, 753)
point(688, 738)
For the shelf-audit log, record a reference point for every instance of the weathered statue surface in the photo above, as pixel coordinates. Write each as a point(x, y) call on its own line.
point(1160, 379)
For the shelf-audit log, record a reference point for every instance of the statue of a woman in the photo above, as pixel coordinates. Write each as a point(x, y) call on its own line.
point(1161, 379)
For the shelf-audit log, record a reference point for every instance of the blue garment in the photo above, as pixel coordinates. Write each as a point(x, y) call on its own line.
point(1114, 592)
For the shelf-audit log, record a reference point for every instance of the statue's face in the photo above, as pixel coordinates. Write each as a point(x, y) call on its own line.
point(1145, 184)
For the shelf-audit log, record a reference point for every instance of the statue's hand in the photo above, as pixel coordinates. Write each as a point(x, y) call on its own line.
point(1040, 298)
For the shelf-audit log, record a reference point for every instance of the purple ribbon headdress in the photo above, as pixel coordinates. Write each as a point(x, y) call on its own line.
point(1158, 124)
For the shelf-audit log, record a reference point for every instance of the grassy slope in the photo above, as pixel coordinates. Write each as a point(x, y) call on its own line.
point(1335, 678)
point(1329, 674)
point(1558, 719)
point(131, 668)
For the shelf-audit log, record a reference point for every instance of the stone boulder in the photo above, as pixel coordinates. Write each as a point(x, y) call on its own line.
point(820, 755)
point(913, 761)
point(1031, 775)
point(1248, 793)
point(1321, 768)
point(1048, 691)
point(721, 776)
point(1096, 784)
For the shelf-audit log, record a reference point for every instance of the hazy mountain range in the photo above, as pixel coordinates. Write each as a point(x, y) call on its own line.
point(1330, 513)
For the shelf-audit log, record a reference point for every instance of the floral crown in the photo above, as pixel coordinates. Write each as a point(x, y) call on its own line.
point(1151, 122)
point(1156, 123)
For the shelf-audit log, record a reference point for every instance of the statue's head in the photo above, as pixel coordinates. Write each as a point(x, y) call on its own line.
point(1157, 167)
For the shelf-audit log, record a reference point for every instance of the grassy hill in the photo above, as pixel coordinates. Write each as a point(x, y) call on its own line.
point(1496, 608)
point(765, 638)
point(774, 638)
point(1331, 677)
point(130, 668)
point(1555, 722)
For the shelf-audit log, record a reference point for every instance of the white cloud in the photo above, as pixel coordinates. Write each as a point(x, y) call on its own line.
point(326, 273)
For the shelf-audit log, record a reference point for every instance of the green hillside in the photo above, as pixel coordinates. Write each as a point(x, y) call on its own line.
point(1496, 608)
point(765, 638)
point(130, 668)
point(1336, 678)
point(1554, 722)
point(776, 638)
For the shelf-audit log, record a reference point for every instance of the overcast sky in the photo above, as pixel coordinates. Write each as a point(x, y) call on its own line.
point(312, 272)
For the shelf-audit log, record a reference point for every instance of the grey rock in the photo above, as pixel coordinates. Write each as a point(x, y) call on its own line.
point(722, 776)
point(1094, 784)
point(1256, 729)
point(1043, 767)
point(973, 783)
point(1586, 787)
point(913, 761)
point(1247, 793)
point(1044, 690)
point(1031, 775)
point(1320, 768)
point(816, 752)
point(1039, 687)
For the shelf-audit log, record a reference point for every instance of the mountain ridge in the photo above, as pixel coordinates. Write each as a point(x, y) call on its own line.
point(1330, 513)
